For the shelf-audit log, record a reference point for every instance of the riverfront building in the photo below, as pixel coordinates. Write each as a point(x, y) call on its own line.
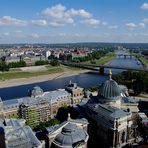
point(112, 116)
point(40, 106)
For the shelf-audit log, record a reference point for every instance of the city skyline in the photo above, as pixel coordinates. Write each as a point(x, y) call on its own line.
point(61, 21)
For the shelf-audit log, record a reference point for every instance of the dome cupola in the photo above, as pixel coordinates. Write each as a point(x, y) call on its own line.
point(110, 93)
point(36, 91)
point(110, 90)
point(70, 136)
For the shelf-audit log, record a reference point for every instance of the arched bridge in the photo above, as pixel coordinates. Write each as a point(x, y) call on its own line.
point(95, 66)
point(125, 56)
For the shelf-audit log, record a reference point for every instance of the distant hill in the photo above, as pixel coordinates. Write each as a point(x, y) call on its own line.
point(80, 45)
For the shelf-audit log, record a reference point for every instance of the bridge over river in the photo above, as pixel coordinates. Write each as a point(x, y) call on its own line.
point(102, 67)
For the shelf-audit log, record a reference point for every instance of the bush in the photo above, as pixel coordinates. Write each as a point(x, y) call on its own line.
point(43, 125)
point(54, 62)
point(17, 64)
point(38, 63)
point(4, 66)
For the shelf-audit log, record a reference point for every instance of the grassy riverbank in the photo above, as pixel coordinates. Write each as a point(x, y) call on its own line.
point(105, 59)
point(144, 61)
point(25, 74)
point(36, 71)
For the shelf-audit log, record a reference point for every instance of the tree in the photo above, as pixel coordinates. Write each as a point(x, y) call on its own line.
point(17, 64)
point(4, 66)
point(62, 114)
point(138, 81)
point(54, 62)
point(54, 122)
point(38, 63)
point(43, 125)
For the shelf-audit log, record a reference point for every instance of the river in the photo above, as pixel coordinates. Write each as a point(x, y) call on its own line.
point(84, 80)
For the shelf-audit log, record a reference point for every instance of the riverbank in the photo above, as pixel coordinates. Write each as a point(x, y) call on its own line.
point(106, 59)
point(144, 61)
point(40, 78)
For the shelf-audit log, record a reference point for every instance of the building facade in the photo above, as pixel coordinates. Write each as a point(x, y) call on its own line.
point(40, 106)
point(111, 121)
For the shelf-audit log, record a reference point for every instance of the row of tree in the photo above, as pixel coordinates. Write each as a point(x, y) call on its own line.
point(138, 81)
point(97, 54)
point(5, 67)
point(17, 64)
point(91, 56)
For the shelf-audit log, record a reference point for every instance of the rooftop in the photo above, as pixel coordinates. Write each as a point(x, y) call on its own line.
point(49, 96)
point(113, 112)
point(17, 135)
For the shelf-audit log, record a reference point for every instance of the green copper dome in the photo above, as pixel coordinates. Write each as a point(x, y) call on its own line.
point(110, 90)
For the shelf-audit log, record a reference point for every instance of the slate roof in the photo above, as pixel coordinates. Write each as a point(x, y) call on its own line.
point(70, 135)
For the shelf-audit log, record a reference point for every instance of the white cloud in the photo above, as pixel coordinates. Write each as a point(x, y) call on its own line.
point(18, 31)
point(141, 25)
point(91, 21)
point(113, 27)
point(144, 6)
point(145, 20)
point(62, 34)
point(133, 26)
point(10, 21)
point(6, 34)
point(56, 24)
point(83, 13)
point(94, 22)
point(56, 11)
point(39, 22)
point(59, 15)
point(34, 35)
point(104, 23)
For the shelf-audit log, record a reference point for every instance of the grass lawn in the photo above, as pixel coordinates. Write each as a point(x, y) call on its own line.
point(144, 61)
point(14, 75)
point(105, 59)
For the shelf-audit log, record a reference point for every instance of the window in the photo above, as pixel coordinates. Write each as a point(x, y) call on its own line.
point(123, 137)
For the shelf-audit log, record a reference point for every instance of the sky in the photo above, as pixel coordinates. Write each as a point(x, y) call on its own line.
point(70, 21)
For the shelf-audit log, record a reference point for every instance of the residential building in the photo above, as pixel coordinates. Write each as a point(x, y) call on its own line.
point(39, 106)
point(76, 92)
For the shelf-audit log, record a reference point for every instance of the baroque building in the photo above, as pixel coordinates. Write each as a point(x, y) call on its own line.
point(111, 116)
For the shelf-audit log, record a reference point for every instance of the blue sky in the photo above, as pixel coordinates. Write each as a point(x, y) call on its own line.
point(64, 21)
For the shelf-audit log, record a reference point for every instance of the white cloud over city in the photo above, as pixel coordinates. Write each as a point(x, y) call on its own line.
point(144, 6)
point(59, 15)
point(133, 26)
point(47, 24)
point(10, 21)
